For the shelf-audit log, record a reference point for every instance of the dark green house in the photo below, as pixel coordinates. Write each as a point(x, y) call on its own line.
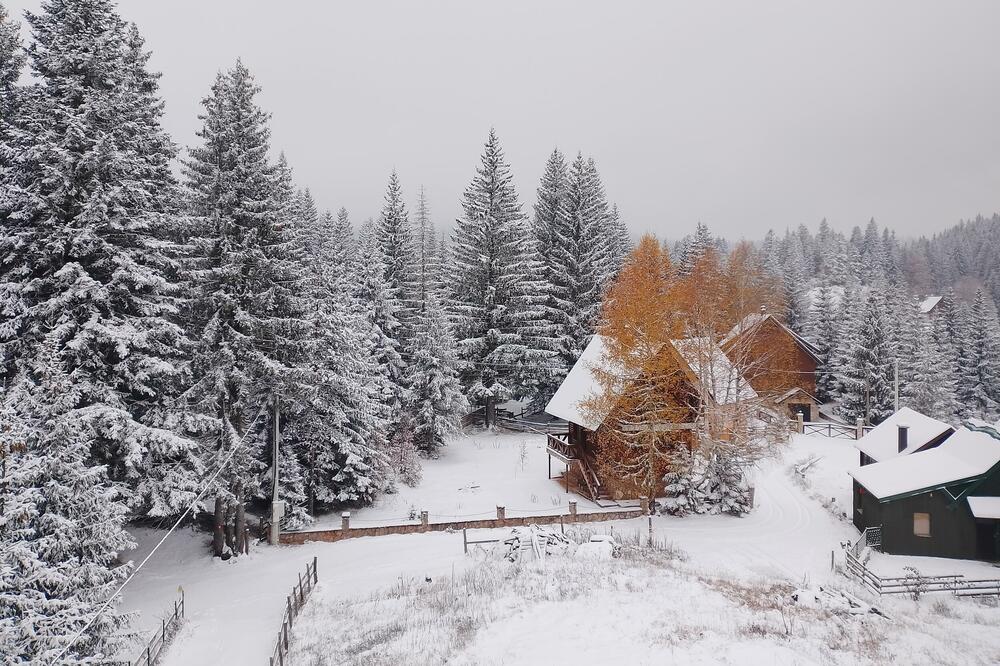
point(941, 502)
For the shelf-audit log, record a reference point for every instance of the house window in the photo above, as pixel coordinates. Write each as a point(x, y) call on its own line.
point(922, 524)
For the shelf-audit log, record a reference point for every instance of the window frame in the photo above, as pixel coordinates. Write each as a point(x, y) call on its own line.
point(927, 520)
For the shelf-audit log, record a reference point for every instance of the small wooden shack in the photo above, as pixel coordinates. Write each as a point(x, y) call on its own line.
point(779, 363)
point(942, 501)
point(904, 433)
point(701, 376)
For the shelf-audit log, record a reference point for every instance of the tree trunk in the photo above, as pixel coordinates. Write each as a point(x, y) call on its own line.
point(217, 531)
point(241, 529)
point(312, 480)
point(230, 540)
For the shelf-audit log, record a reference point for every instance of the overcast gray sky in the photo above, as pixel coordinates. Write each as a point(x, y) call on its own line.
point(744, 115)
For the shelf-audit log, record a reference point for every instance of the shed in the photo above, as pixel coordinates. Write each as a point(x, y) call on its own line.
point(905, 432)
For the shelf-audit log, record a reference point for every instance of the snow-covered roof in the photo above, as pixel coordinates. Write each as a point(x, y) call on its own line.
point(929, 303)
point(754, 320)
point(985, 507)
point(967, 454)
point(718, 376)
point(792, 391)
point(720, 379)
point(579, 386)
point(882, 442)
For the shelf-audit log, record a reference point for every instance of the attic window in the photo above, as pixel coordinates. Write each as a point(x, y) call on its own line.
point(922, 524)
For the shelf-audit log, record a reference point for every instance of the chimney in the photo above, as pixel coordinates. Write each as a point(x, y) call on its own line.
point(903, 431)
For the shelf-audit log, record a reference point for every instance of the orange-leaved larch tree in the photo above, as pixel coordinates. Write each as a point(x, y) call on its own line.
point(642, 385)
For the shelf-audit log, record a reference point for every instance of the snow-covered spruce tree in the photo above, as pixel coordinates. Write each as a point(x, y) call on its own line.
point(545, 227)
point(930, 386)
point(824, 334)
point(337, 441)
point(427, 263)
point(61, 520)
point(253, 335)
point(11, 64)
point(868, 387)
point(436, 403)
point(85, 246)
point(578, 262)
point(619, 243)
point(722, 486)
point(378, 325)
point(959, 325)
point(694, 248)
point(395, 240)
point(984, 345)
point(496, 294)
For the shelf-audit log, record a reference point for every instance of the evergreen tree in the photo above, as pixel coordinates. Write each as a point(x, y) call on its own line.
point(253, 347)
point(826, 313)
point(694, 248)
point(61, 521)
point(984, 348)
point(396, 244)
point(379, 326)
point(930, 385)
point(496, 297)
point(427, 264)
point(11, 64)
point(868, 385)
point(436, 402)
point(86, 250)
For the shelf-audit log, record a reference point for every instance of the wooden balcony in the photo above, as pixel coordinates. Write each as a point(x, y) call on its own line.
point(559, 447)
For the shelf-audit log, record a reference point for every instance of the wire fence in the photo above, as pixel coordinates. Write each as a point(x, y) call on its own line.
point(168, 625)
point(293, 604)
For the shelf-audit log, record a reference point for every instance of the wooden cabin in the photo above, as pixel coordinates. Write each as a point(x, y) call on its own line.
point(779, 363)
point(691, 375)
point(940, 502)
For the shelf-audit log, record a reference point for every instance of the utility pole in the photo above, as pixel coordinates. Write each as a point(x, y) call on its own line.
point(277, 507)
point(895, 383)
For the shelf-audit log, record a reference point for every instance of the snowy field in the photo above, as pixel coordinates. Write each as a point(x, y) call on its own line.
point(643, 608)
point(235, 607)
point(472, 476)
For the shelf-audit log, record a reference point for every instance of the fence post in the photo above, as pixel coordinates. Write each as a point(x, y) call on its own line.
point(572, 511)
point(465, 542)
point(345, 520)
point(501, 514)
point(315, 573)
point(289, 601)
point(644, 505)
point(800, 423)
point(425, 520)
point(859, 428)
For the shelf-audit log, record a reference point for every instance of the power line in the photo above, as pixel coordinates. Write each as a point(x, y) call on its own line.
point(207, 486)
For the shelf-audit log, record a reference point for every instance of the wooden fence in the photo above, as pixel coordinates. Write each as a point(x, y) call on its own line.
point(502, 520)
point(293, 604)
point(159, 639)
point(830, 429)
point(913, 584)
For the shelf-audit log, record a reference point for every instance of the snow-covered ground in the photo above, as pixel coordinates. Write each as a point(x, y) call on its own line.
point(472, 476)
point(235, 607)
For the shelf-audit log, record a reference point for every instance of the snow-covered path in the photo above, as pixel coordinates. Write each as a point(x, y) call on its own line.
point(235, 607)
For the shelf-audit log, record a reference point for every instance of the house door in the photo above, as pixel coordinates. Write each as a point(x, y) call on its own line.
point(803, 409)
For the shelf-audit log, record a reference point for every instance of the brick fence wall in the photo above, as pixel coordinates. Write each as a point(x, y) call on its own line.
point(353, 532)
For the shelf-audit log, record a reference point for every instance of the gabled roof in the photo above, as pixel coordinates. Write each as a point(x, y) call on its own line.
point(719, 380)
point(985, 507)
point(752, 322)
point(967, 455)
point(882, 442)
point(929, 304)
point(581, 385)
point(795, 391)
